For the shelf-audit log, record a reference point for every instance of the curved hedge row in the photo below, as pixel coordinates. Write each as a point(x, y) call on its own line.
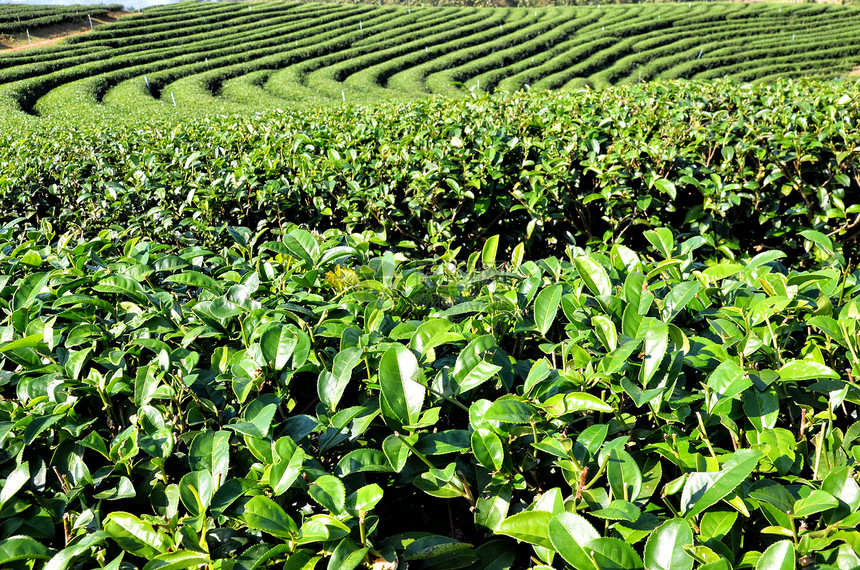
point(298, 58)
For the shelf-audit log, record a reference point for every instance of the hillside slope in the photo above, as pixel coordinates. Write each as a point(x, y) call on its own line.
point(223, 57)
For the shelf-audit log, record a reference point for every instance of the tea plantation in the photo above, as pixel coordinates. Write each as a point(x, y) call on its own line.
point(228, 57)
point(612, 328)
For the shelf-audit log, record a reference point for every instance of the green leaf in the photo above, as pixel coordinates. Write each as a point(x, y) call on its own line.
point(606, 332)
point(816, 502)
point(196, 279)
point(614, 554)
point(179, 560)
point(678, 298)
point(471, 370)
point(528, 526)
point(726, 381)
point(778, 556)
point(16, 479)
point(761, 408)
point(124, 286)
point(842, 485)
point(346, 556)
point(331, 385)
point(509, 410)
point(64, 558)
point(364, 499)
point(22, 548)
point(665, 547)
point(210, 451)
point(546, 307)
point(398, 372)
point(594, 276)
point(806, 370)
point(488, 255)
point(570, 534)
point(262, 513)
point(28, 289)
point(396, 451)
point(26, 342)
point(656, 344)
point(488, 449)
point(433, 333)
point(302, 245)
point(625, 477)
point(662, 240)
point(496, 555)
point(329, 492)
point(288, 463)
point(704, 489)
point(135, 536)
point(278, 344)
point(573, 402)
point(666, 187)
point(195, 492)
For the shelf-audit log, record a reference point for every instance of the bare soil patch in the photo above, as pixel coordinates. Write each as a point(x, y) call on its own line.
point(52, 34)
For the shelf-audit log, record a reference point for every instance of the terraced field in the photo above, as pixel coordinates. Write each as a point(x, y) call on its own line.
point(17, 18)
point(192, 57)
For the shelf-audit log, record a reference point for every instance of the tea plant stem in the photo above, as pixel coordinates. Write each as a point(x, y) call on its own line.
point(704, 434)
point(417, 453)
point(818, 453)
point(448, 399)
point(466, 489)
point(775, 343)
point(362, 531)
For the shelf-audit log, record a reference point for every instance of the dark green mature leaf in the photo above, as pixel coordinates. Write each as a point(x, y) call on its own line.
point(195, 492)
point(471, 369)
point(488, 449)
point(303, 245)
point(509, 410)
point(329, 492)
point(573, 402)
point(614, 554)
point(625, 477)
point(398, 374)
point(22, 548)
point(196, 279)
point(135, 536)
point(288, 463)
point(278, 344)
point(122, 285)
point(815, 502)
point(665, 547)
point(262, 513)
point(29, 288)
point(26, 342)
point(210, 451)
point(495, 555)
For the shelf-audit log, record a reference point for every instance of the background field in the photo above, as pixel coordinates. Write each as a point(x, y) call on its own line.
point(190, 58)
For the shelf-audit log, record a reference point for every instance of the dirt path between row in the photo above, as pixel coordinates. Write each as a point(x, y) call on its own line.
point(52, 34)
